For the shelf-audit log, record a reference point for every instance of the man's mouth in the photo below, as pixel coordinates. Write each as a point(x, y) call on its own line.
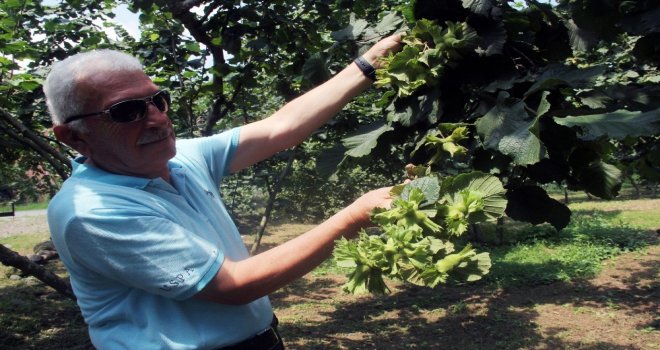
point(155, 136)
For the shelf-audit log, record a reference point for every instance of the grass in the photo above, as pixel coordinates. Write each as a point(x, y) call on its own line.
point(645, 216)
point(23, 243)
point(5, 207)
point(32, 206)
point(576, 252)
point(32, 317)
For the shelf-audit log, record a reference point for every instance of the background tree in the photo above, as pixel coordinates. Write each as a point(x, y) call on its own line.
point(563, 94)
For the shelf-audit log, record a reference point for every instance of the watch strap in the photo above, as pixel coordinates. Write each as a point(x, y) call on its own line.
point(366, 68)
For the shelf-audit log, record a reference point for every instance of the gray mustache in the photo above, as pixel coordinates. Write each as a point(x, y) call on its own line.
point(154, 136)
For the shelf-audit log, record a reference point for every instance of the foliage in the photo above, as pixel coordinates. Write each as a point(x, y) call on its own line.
point(32, 37)
point(541, 105)
point(545, 115)
point(427, 50)
point(418, 241)
point(532, 94)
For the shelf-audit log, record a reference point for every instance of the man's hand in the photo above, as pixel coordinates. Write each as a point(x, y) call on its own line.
point(383, 48)
point(360, 210)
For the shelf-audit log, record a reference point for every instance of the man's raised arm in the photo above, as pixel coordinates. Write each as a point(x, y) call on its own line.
point(298, 119)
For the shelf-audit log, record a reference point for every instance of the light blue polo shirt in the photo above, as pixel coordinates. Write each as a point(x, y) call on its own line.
point(138, 249)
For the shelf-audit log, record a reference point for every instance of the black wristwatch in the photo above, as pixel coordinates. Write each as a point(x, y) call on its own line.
point(366, 67)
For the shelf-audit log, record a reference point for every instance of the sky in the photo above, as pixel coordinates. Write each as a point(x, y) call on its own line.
point(123, 16)
point(128, 20)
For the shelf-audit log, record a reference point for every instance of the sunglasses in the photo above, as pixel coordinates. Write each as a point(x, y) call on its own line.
point(131, 110)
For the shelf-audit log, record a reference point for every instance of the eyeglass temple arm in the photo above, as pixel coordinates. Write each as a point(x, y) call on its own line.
point(81, 116)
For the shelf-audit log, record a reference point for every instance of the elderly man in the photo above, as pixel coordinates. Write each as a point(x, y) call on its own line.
point(154, 258)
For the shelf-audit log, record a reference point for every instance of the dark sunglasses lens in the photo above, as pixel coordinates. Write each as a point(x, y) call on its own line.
point(162, 101)
point(128, 111)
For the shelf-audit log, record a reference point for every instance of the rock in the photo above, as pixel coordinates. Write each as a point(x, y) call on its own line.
point(14, 277)
point(48, 254)
point(47, 245)
point(36, 258)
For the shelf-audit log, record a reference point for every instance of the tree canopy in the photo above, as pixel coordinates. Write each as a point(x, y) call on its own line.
point(531, 92)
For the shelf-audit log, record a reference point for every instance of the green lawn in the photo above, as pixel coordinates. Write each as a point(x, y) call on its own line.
point(528, 256)
point(5, 207)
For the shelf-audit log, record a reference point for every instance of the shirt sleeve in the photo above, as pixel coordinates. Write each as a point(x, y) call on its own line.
point(144, 251)
point(214, 153)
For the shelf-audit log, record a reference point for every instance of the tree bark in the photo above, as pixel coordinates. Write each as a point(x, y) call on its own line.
point(16, 130)
point(272, 196)
point(499, 230)
point(181, 10)
point(638, 192)
point(9, 257)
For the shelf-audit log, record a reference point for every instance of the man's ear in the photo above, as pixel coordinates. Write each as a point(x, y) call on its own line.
point(72, 138)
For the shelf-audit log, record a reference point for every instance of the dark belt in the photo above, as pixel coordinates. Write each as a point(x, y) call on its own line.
point(268, 339)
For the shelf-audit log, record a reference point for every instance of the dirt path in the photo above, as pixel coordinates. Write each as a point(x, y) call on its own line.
point(25, 222)
point(618, 310)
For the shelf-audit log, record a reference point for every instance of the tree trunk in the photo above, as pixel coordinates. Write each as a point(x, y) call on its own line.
point(499, 230)
point(272, 196)
point(16, 130)
point(9, 257)
point(474, 231)
point(634, 184)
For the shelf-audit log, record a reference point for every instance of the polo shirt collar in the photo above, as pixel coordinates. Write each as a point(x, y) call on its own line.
point(85, 171)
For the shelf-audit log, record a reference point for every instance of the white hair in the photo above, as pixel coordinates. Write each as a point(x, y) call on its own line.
point(63, 96)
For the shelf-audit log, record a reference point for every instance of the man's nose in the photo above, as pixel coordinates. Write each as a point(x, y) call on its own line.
point(155, 115)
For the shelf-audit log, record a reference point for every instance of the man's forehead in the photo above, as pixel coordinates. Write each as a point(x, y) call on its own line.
point(114, 86)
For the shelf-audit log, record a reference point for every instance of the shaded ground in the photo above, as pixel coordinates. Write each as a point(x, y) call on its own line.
point(616, 310)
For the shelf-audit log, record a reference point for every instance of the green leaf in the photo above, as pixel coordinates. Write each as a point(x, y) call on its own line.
point(594, 99)
point(414, 109)
point(13, 4)
point(488, 186)
point(580, 38)
point(29, 85)
point(601, 179)
point(509, 130)
point(330, 161)
point(315, 70)
point(429, 185)
point(532, 204)
point(193, 47)
point(617, 125)
point(480, 7)
point(365, 139)
point(389, 23)
point(353, 31)
point(560, 75)
point(472, 269)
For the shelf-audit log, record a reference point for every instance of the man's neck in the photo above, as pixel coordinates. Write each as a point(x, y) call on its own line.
point(164, 174)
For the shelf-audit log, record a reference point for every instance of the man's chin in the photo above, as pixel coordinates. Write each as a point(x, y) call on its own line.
point(164, 149)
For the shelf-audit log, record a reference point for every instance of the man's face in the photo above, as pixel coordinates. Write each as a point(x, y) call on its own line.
point(141, 148)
